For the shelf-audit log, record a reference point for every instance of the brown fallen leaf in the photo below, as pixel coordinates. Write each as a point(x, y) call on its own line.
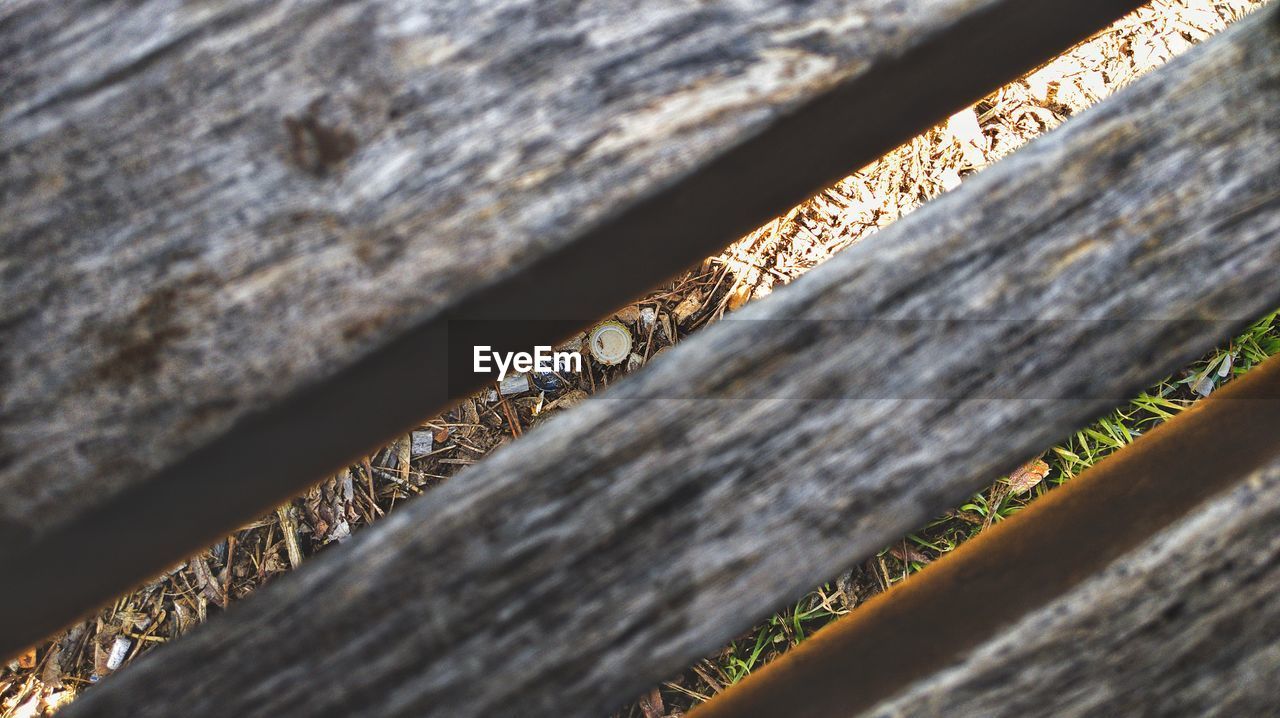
point(628, 315)
point(206, 582)
point(738, 296)
point(28, 659)
point(688, 307)
point(102, 643)
point(570, 399)
point(52, 674)
point(651, 704)
point(470, 419)
point(1025, 477)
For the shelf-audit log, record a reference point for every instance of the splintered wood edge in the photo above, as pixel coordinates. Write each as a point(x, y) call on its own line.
point(1028, 562)
point(273, 454)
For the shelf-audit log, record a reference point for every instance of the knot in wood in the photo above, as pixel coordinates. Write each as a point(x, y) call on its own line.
point(315, 146)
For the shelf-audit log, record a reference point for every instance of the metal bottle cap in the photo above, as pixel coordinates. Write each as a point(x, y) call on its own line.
point(609, 342)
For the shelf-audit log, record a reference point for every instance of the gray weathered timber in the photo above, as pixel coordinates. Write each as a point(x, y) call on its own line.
point(928, 624)
point(611, 546)
point(1186, 625)
point(233, 232)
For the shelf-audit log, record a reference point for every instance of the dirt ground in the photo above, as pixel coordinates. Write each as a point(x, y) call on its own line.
point(52, 674)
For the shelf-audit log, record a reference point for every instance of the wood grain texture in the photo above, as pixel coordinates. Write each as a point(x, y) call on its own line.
point(609, 547)
point(906, 640)
point(234, 233)
point(1186, 625)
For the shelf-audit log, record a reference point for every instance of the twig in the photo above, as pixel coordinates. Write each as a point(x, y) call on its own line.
point(506, 409)
point(290, 531)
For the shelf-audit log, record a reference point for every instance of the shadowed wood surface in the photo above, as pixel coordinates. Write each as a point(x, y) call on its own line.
point(907, 645)
point(1186, 625)
point(609, 547)
point(234, 232)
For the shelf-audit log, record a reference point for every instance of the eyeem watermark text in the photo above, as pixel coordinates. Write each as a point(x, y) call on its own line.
point(543, 359)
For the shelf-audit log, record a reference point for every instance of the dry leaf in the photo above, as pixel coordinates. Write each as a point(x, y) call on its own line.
point(688, 307)
point(628, 315)
point(28, 659)
point(651, 704)
point(327, 507)
point(205, 581)
point(1025, 477)
point(102, 643)
point(272, 563)
point(183, 619)
point(570, 399)
point(52, 674)
point(470, 418)
point(738, 296)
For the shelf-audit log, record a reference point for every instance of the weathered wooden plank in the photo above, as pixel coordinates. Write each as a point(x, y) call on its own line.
point(611, 546)
point(1187, 625)
point(233, 233)
point(902, 652)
